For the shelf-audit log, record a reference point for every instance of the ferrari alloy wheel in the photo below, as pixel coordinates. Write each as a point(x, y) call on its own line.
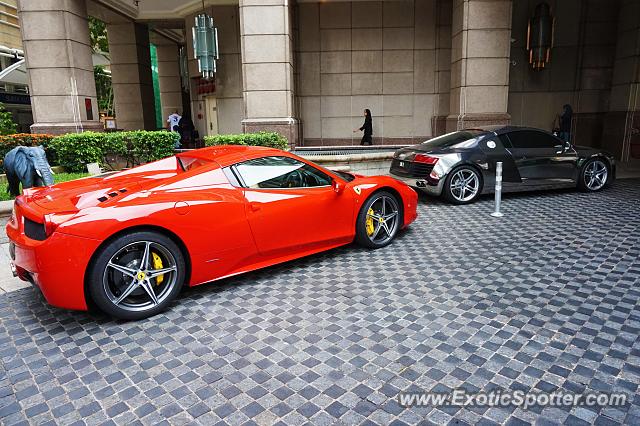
point(137, 275)
point(463, 185)
point(379, 220)
point(594, 175)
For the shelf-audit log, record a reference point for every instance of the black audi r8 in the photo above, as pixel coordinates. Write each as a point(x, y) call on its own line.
point(462, 165)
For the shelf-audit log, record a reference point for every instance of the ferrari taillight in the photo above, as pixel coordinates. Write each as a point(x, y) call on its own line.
point(52, 221)
point(49, 225)
point(426, 159)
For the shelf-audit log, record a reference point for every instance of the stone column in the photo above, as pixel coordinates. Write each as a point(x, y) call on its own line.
point(267, 67)
point(169, 76)
point(443, 67)
point(55, 37)
point(481, 37)
point(621, 133)
point(131, 76)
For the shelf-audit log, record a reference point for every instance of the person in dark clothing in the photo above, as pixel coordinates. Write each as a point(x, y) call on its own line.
point(186, 129)
point(367, 127)
point(564, 123)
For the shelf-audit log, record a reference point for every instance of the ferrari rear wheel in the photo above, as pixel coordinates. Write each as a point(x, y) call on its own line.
point(594, 175)
point(379, 220)
point(463, 185)
point(137, 275)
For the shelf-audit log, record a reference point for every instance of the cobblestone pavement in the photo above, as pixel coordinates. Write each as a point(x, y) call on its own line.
point(7, 281)
point(544, 299)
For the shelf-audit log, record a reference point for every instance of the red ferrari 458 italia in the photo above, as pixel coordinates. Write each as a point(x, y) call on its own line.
point(128, 241)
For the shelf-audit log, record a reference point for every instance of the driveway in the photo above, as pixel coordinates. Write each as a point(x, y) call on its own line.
point(544, 299)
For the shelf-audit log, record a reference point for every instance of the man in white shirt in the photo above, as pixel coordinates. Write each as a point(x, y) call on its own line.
point(173, 121)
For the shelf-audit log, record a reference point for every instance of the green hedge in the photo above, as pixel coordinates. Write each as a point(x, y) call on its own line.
point(268, 139)
point(75, 150)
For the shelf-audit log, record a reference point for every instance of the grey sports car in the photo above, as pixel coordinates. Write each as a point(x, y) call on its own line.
point(462, 165)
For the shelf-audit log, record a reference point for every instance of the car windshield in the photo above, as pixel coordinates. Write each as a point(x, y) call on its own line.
point(451, 139)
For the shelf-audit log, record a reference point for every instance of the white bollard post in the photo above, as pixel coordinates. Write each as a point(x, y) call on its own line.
point(498, 190)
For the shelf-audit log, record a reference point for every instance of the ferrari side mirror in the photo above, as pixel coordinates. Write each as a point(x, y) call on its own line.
point(337, 186)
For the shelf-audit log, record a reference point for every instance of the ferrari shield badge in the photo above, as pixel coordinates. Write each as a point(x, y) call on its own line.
point(357, 190)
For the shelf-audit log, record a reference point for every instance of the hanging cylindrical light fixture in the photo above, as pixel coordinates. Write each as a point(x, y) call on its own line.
point(540, 36)
point(205, 45)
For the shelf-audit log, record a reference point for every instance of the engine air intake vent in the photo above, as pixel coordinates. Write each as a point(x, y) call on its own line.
point(34, 230)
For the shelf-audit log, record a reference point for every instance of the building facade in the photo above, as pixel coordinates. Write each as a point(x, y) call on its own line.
point(308, 69)
point(14, 89)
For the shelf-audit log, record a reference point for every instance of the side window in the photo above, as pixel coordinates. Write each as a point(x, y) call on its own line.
point(532, 139)
point(280, 172)
point(505, 140)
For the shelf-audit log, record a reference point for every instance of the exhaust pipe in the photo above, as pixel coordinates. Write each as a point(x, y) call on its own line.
point(421, 184)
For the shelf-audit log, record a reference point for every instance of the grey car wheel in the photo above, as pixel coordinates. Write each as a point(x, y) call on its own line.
point(594, 175)
point(463, 185)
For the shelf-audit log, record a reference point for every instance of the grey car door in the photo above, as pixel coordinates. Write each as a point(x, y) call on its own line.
point(541, 157)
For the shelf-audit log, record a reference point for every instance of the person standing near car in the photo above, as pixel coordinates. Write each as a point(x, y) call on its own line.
point(367, 127)
point(173, 121)
point(564, 123)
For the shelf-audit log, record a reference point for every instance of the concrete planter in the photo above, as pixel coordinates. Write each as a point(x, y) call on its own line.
point(369, 164)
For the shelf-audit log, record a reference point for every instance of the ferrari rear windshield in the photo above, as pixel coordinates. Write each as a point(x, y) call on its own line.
point(451, 139)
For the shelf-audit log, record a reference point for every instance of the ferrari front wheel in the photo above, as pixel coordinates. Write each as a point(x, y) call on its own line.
point(136, 275)
point(379, 220)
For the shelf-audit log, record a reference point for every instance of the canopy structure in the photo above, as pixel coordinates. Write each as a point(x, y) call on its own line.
point(15, 74)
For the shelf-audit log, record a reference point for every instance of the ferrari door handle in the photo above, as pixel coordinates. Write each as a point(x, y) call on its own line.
point(254, 207)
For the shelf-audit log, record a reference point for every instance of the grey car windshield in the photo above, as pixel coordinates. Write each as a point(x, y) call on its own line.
point(451, 139)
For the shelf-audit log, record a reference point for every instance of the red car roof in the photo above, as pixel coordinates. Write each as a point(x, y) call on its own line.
point(226, 155)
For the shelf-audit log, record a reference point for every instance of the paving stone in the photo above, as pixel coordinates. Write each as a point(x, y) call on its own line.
point(545, 298)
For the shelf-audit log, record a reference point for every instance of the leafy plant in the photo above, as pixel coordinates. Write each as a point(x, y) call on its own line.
point(98, 35)
point(104, 90)
point(100, 45)
point(268, 139)
point(145, 146)
point(7, 125)
point(76, 150)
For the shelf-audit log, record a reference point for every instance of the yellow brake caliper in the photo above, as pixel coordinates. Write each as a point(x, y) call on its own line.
point(157, 264)
point(369, 222)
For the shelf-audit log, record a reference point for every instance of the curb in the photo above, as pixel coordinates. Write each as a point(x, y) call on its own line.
point(6, 207)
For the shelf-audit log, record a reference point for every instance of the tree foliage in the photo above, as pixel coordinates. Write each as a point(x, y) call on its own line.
point(100, 44)
point(7, 125)
point(98, 35)
point(104, 90)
